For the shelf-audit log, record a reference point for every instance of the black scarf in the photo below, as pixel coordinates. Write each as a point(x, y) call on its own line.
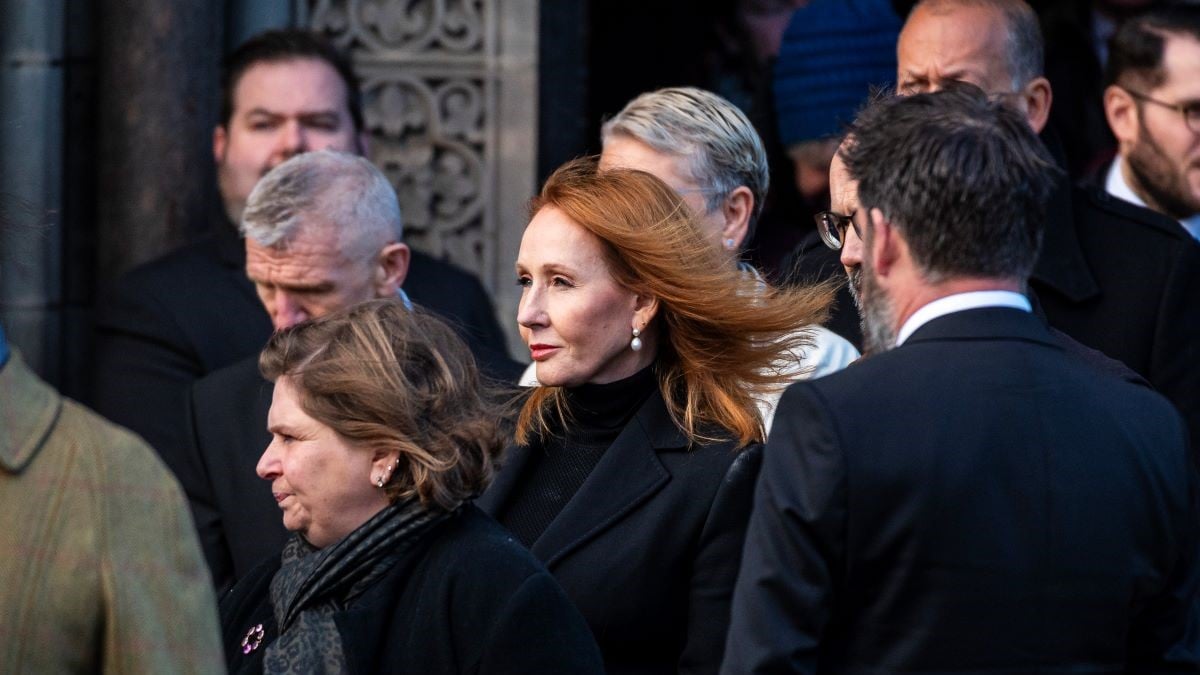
point(312, 584)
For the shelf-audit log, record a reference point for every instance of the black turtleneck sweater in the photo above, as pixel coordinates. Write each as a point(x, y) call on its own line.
point(559, 465)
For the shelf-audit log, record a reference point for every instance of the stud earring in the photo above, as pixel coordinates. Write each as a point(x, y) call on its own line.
point(379, 481)
point(636, 343)
point(728, 244)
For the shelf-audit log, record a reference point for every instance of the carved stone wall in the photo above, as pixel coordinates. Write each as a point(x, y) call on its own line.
point(450, 100)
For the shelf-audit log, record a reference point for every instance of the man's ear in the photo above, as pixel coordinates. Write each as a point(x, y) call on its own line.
point(1038, 97)
point(1122, 112)
point(885, 244)
point(391, 270)
point(220, 141)
point(736, 209)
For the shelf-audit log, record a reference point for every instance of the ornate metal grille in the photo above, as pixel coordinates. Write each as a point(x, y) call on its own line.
point(429, 71)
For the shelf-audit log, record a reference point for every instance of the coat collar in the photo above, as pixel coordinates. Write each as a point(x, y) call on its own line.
point(28, 410)
point(628, 474)
point(1061, 264)
point(985, 323)
point(231, 249)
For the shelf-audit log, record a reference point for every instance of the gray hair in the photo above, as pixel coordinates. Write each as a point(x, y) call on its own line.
point(327, 188)
point(722, 149)
point(1023, 35)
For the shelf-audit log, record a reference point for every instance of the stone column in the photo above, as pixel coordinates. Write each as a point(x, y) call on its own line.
point(31, 136)
point(157, 98)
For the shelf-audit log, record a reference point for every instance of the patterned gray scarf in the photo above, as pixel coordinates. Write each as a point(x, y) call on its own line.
point(312, 584)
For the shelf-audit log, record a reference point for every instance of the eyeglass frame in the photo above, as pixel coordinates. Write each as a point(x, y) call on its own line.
point(1184, 109)
point(832, 226)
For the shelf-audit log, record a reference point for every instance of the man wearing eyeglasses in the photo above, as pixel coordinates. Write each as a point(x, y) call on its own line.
point(1153, 107)
point(1114, 276)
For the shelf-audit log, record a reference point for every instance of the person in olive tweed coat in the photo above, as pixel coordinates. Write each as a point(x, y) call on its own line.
point(101, 571)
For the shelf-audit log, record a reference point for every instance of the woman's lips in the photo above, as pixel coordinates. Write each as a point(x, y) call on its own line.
point(541, 352)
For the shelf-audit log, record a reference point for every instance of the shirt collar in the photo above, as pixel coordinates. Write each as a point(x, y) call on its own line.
point(960, 302)
point(1192, 225)
point(1116, 186)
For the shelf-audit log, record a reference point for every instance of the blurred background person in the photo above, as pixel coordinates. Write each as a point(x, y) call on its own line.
point(1153, 106)
point(834, 53)
point(1076, 36)
point(99, 560)
point(381, 435)
point(637, 456)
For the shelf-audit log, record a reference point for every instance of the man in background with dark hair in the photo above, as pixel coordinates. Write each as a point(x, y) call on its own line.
point(173, 320)
point(1153, 107)
point(972, 498)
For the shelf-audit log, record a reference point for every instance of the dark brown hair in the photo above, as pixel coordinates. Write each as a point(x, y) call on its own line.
point(380, 374)
point(288, 44)
point(1135, 51)
point(722, 334)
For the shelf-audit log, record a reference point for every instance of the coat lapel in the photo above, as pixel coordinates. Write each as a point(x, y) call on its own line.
point(28, 410)
point(496, 496)
point(627, 475)
point(1061, 264)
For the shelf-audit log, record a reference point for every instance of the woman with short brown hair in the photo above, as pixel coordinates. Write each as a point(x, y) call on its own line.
point(381, 434)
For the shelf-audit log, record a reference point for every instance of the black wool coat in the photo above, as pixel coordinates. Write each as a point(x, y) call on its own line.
point(649, 546)
point(977, 500)
point(474, 602)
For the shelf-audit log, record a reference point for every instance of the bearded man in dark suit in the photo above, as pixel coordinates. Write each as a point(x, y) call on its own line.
point(972, 498)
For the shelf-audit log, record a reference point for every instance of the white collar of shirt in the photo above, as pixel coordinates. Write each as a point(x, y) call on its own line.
point(1116, 186)
point(957, 303)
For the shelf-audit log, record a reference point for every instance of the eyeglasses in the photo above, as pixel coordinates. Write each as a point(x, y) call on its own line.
point(1189, 111)
point(832, 227)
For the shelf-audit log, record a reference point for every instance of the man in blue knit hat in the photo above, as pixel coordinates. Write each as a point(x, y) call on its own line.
point(834, 52)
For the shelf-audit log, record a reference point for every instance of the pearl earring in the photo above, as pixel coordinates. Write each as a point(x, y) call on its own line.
point(379, 481)
point(636, 343)
point(728, 244)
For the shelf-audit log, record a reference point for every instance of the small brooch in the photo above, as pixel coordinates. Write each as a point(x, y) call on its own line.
point(253, 639)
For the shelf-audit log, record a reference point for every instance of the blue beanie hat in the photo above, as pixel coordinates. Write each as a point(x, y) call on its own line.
point(833, 53)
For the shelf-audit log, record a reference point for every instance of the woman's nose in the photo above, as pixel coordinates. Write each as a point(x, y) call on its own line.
point(268, 464)
point(530, 312)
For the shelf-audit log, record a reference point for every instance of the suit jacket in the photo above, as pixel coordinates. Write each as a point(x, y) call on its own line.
point(648, 548)
point(100, 568)
point(974, 501)
point(474, 601)
point(1126, 281)
point(170, 322)
point(238, 520)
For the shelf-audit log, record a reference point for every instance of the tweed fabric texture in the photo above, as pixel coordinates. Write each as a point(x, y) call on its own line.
point(100, 564)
